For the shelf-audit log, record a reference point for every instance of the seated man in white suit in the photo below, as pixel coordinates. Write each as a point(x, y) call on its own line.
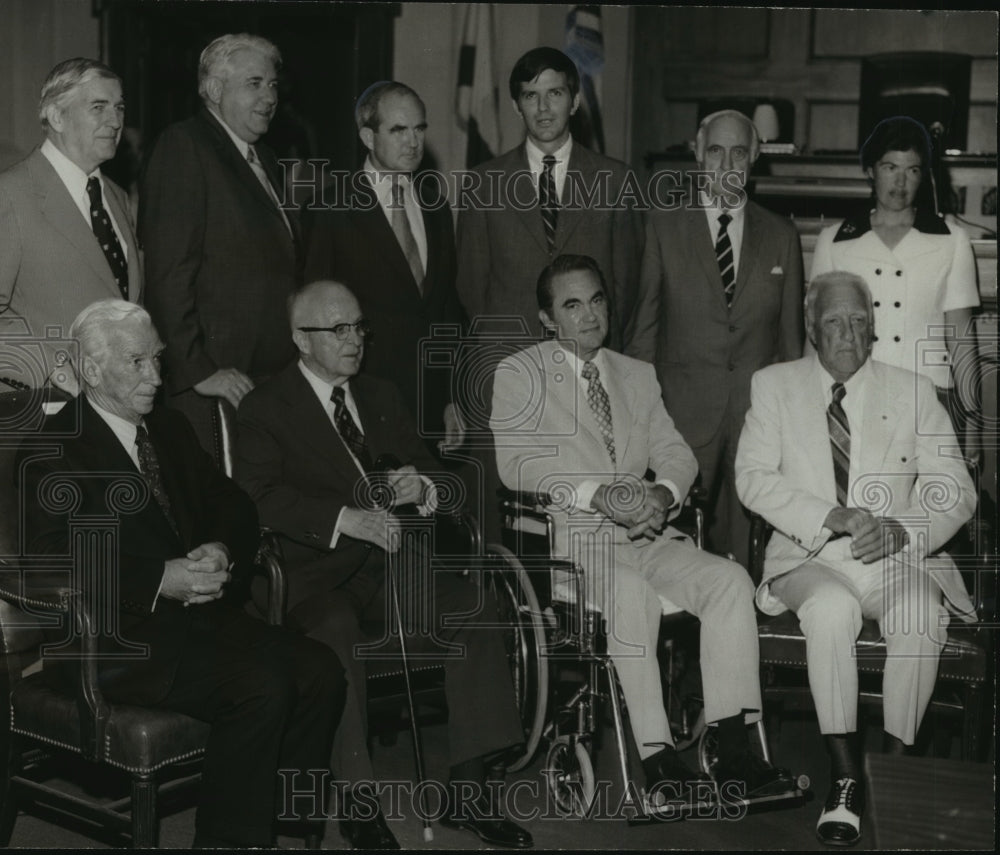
point(585, 424)
point(855, 464)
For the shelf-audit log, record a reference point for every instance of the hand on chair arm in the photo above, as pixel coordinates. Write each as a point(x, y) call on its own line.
point(872, 537)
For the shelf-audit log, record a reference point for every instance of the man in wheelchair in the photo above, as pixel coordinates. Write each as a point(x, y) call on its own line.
point(856, 466)
point(584, 425)
point(307, 441)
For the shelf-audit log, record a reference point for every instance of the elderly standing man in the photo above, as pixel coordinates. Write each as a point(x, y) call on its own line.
point(272, 698)
point(222, 255)
point(839, 454)
point(66, 236)
point(720, 296)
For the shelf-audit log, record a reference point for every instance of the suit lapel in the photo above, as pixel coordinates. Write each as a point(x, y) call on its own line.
point(374, 225)
point(752, 248)
point(699, 239)
point(569, 392)
point(60, 210)
point(881, 421)
point(121, 216)
point(568, 219)
point(809, 417)
point(529, 215)
point(622, 394)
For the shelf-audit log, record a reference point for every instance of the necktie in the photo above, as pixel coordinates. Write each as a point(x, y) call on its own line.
point(149, 466)
point(404, 234)
point(100, 222)
point(265, 182)
point(840, 442)
point(597, 397)
point(547, 200)
point(724, 255)
point(348, 430)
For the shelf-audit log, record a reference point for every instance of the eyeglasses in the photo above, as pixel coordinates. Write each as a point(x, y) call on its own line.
point(342, 331)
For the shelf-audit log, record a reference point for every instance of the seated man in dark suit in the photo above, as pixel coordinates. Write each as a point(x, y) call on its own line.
point(273, 698)
point(307, 439)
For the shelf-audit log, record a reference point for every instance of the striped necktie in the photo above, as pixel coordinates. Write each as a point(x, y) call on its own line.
point(547, 200)
point(724, 255)
point(840, 442)
point(348, 429)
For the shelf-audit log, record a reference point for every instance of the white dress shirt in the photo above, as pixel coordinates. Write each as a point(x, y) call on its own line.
point(75, 181)
point(536, 164)
point(382, 182)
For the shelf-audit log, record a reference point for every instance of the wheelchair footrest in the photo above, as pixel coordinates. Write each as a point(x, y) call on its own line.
point(706, 801)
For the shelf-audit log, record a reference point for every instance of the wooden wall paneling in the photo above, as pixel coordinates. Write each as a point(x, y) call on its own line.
point(831, 125)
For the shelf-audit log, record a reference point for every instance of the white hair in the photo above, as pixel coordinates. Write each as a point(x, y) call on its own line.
point(216, 58)
point(835, 277)
point(63, 80)
point(699, 140)
point(93, 326)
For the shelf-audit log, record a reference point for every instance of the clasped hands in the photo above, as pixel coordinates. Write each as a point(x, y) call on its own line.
point(872, 537)
point(377, 526)
point(637, 505)
point(198, 577)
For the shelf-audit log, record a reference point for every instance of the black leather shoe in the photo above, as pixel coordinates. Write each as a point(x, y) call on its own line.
point(488, 823)
point(754, 775)
point(840, 822)
point(666, 767)
point(368, 833)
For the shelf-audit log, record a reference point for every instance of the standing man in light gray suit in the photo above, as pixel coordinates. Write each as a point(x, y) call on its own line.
point(717, 302)
point(848, 459)
point(585, 424)
point(66, 236)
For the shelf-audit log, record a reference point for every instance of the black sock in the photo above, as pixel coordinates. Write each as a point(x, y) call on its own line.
point(733, 737)
point(651, 765)
point(845, 756)
point(893, 744)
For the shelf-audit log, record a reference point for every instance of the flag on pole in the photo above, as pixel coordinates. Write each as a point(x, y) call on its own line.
point(477, 100)
point(585, 46)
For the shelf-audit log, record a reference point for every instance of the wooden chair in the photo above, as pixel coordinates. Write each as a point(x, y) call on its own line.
point(965, 673)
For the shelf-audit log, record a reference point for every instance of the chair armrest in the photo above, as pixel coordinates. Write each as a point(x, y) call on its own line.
point(760, 533)
point(38, 594)
point(269, 558)
point(529, 499)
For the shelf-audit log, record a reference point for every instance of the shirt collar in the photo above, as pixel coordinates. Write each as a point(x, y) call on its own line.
point(239, 142)
point(69, 173)
point(712, 209)
point(599, 360)
point(322, 388)
point(857, 225)
point(123, 429)
point(382, 182)
point(854, 385)
point(535, 154)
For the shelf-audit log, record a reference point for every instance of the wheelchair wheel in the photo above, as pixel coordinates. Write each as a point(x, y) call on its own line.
point(708, 750)
point(523, 629)
point(570, 777)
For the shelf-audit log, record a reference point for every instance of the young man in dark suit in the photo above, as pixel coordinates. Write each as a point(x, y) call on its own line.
point(221, 254)
point(395, 248)
point(309, 441)
point(272, 698)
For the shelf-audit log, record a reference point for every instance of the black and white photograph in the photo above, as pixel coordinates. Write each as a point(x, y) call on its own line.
point(507, 426)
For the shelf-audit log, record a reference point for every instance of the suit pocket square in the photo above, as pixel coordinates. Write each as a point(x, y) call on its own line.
point(777, 271)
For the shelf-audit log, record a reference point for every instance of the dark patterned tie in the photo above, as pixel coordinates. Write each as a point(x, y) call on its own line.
point(404, 234)
point(348, 429)
point(100, 222)
point(840, 442)
point(724, 255)
point(597, 397)
point(150, 468)
point(547, 200)
point(265, 182)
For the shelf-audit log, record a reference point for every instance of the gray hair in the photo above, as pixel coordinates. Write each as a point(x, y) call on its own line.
point(699, 140)
point(63, 80)
point(215, 59)
point(298, 300)
point(366, 110)
point(834, 277)
point(92, 327)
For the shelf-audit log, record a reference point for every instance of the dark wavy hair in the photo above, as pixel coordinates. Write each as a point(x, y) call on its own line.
point(537, 60)
point(564, 264)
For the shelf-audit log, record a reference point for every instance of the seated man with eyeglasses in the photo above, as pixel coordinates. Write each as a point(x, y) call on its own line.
point(307, 441)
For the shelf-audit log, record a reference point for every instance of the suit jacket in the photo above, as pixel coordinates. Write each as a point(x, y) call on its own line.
point(220, 261)
point(51, 265)
point(206, 506)
point(704, 352)
point(502, 251)
point(547, 438)
point(354, 244)
point(784, 470)
point(292, 462)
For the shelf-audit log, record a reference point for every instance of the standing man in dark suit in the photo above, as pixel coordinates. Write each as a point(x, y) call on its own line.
point(396, 251)
point(66, 236)
point(720, 297)
point(307, 439)
point(271, 697)
point(545, 206)
point(222, 256)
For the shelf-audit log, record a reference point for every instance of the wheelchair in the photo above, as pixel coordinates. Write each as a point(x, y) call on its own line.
point(566, 685)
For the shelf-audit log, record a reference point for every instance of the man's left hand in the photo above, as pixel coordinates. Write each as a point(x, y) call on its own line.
point(407, 485)
point(885, 538)
point(213, 556)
